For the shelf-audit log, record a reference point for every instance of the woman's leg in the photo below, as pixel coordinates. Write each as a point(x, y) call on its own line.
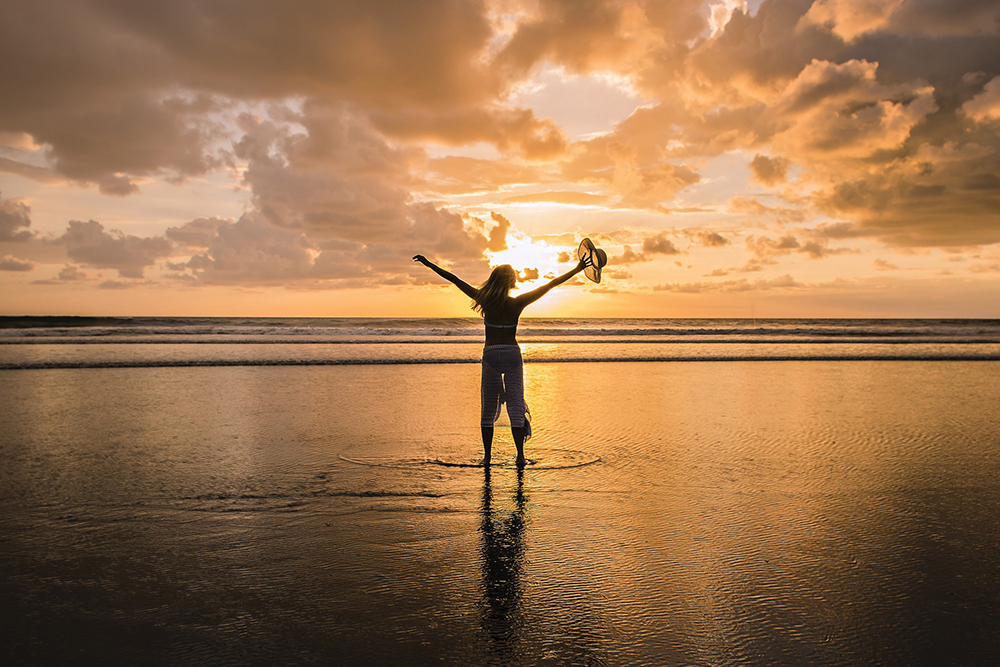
point(513, 381)
point(487, 444)
point(490, 390)
point(518, 433)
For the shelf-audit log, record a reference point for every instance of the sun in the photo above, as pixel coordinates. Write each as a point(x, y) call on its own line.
point(525, 254)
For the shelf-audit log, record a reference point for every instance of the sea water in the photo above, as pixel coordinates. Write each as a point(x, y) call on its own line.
point(146, 342)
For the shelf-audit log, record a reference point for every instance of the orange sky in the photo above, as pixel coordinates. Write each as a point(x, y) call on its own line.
point(838, 158)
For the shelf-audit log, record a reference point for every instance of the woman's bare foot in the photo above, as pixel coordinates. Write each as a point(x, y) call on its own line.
point(520, 460)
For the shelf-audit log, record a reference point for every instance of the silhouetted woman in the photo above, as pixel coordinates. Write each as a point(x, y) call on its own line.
point(503, 369)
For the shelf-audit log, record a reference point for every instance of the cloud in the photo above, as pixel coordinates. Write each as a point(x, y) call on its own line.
point(135, 137)
point(984, 267)
point(16, 141)
point(617, 274)
point(515, 131)
point(753, 207)
point(343, 187)
point(657, 244)
point(836, 110)
point(640, 179)
point(498, 235)
point(92, 80)
point(88, 243)
point(769, 171)
point(197, 233)
point(462, 175)
point(721, 13)
point(558, 197)
point(340, 178)
point(15, 218)
point(854, 116)
point(985, 106)
point(819, 248)
point(252, 251)
point(72, 273)
point(69, 273)
point(629, 256)
point(741, 285)
point(587, 35)
point(849, 19)
point(942, 18)
point(908, 202)
point(117, 284)
point(711, 239)
point(11, 263)
point(765, 248)
point(528, 274)
point(35, 173)
point(342, 182)
point(884, 265)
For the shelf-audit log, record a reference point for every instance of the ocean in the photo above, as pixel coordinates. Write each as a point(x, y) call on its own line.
point(84, 342)
point(253, 491)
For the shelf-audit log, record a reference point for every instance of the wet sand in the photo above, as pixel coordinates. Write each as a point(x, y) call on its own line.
point(810, 512)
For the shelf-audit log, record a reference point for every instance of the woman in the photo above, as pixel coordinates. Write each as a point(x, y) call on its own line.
point(503, 370)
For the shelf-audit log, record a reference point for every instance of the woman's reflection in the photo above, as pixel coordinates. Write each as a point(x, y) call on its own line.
point(502, 605)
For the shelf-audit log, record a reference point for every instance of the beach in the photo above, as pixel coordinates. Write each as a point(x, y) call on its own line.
point(705, 512)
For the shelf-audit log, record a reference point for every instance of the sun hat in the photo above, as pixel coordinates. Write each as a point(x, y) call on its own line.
point(598, 258)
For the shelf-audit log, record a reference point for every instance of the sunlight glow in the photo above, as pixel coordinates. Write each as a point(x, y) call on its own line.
point(524, 254)
point(721, 13)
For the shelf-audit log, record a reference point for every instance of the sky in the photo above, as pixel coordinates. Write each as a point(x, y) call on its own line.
point(781, 158)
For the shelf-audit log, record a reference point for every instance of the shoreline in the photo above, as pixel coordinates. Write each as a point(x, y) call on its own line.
point(451, 362)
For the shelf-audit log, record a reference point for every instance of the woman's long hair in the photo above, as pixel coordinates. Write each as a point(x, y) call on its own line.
point(495, 290)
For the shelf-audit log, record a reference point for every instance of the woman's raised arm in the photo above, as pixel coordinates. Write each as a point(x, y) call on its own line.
point(466, 288)
point(537, 293)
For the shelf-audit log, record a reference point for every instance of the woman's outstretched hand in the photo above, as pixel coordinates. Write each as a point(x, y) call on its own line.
point(421, 259)
point(584, 263)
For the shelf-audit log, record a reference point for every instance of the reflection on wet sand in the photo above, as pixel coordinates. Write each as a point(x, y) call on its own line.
point(502, 562)
point(741, 514)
